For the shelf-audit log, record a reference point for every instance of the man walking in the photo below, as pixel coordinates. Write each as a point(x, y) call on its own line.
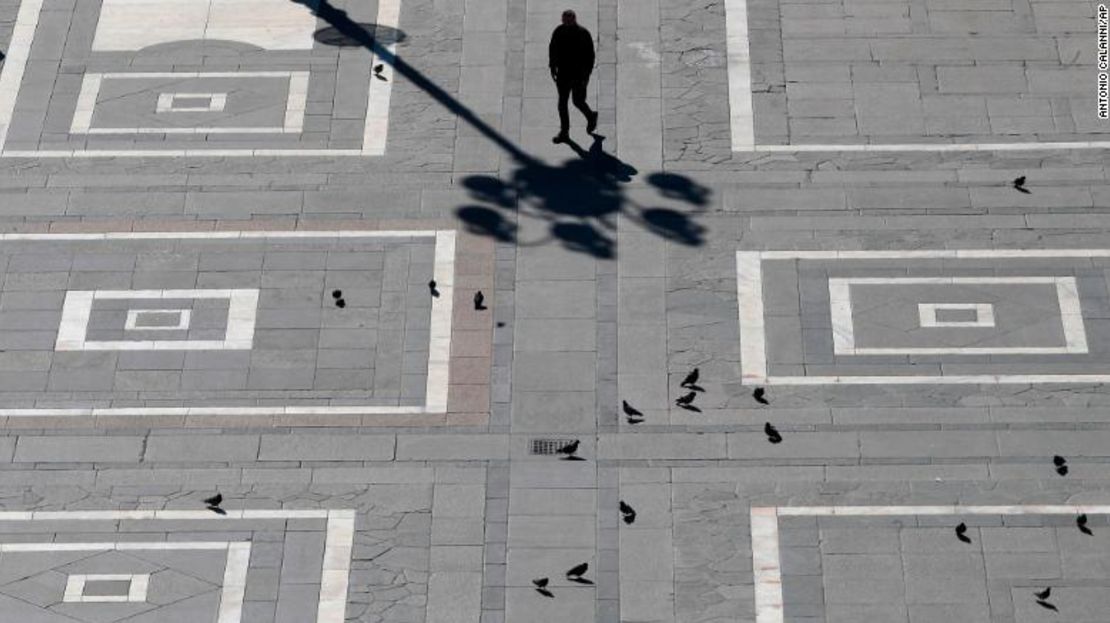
point(571, 59)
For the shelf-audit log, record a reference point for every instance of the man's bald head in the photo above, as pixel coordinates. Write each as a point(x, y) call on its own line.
point(569, 17)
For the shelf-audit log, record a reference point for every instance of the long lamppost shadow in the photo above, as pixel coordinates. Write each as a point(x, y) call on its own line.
point(581, 198)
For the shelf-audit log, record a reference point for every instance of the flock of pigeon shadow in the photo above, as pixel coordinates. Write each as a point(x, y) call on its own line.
point(686, 401)
point(1061, 466)
point(628, 513)
point(574, 574)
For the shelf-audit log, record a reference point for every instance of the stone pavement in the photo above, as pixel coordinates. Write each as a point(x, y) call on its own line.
point(219, 225)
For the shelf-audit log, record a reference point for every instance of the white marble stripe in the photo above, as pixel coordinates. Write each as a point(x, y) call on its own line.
point(160, 514)
point(124, 75)
point(375, 132)
point(140, 584)
point(944, 280)
point(962, 350)
point(122, 546)
point(957, 509)
point(741, 113)
point(86, 103)
point(181, 153)
point(216, 235)
point(956, 379)
point(930, 254)
point(73, 326)
point(766, 565)
point(840, 310)
point(15, 62)
point(439, 347)
point(187, 411)
point(335, 574)
point(1071, 314)
point(215, 293)
point(1023, 146)
point(173, 130)
point(296, 104)
point(234, 587)
point(749, 295)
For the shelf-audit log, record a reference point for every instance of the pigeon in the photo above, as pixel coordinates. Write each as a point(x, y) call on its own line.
point(1061, 465)
point(758, 395)
point(634, 416)
point(479, 299)
point(1043, 594)
point(379, 68)
point(213, 504)
point(340, 303)
point(337, 294)
point(685, 401)
point(1019, 185)
point(691, 379)
point(961, 532)
point(541, 587)
point(1081, 523)
point(628, 512)
point(432, 288)
point(772, 433)
point(577, 571)
point(570, 448)
point(1047, 606)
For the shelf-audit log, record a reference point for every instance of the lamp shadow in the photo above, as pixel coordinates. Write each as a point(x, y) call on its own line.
point(581, 199)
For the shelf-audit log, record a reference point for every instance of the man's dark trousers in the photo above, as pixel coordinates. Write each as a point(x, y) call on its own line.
point(573, 88)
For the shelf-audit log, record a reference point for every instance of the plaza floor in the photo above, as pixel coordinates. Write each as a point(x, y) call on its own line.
point(241, 246)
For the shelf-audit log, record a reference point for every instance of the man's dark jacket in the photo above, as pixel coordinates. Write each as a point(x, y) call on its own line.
point(571, 52)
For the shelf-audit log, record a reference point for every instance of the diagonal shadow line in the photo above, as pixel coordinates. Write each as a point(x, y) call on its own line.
point(342, 22)
point(573, 197)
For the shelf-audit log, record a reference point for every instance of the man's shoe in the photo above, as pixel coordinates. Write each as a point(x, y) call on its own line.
point(591, 124)
point(561, 137)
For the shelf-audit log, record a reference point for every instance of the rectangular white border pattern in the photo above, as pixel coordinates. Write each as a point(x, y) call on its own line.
point(1067, 292)
point(742, 119)
point(335, 572)
point(294, 105)
point(753, 338)
point(242, 309)
point(927, 314)
point(167, 102)
point(131, 323)
point(766, 561)
point(136, 587)
point(232, 592)
point(18, 54)
point(439, 347)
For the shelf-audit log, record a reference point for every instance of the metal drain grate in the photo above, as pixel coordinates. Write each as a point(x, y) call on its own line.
point(548, 446)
